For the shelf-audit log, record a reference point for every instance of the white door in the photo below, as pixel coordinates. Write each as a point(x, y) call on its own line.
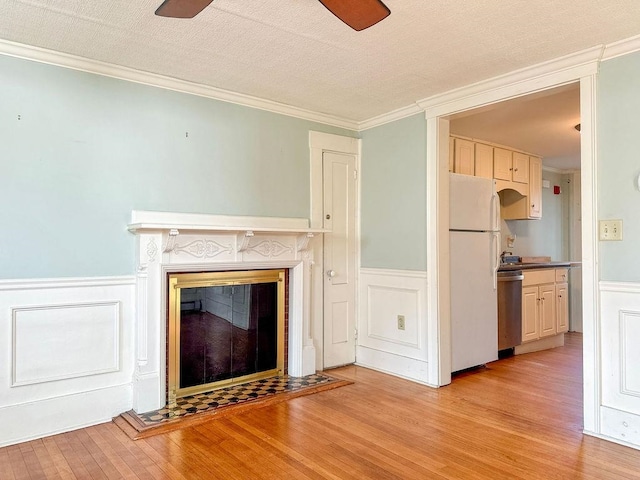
point(339, 213)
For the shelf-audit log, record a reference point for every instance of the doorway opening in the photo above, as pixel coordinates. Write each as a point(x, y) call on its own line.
point(521, 130)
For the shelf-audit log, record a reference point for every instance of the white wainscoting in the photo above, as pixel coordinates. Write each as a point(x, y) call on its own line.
point(385, 294)
point(620, 408)
point(67, 354)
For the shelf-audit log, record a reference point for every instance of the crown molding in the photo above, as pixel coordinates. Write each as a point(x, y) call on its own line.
point(82, 64)
point(538, 77)
point(389, 117)
point(561, 171)
point(622, 47)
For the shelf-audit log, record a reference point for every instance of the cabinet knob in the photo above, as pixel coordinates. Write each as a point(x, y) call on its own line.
point(515, 169)
point(533, 205)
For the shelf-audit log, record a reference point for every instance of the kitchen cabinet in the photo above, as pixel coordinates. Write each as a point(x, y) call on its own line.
point(562, 307)
point(510, 166)
point(452, 148)
point(535, 187)
point(562, 300)
point(484, 160)
point(530, 315)
point(520, 168)
point(545, 306)
point(518, 175)
point(464, 157)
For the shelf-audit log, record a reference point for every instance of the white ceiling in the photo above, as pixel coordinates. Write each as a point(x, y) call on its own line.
point(543, 124)
point(297, 53)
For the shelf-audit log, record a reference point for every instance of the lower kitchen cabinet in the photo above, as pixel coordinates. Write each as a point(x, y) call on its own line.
point(562, 307)
point(545, 305)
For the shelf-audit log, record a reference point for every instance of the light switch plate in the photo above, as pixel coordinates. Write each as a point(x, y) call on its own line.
point(610, 230)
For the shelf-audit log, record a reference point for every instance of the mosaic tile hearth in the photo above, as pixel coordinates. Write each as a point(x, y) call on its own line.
point(223, 397)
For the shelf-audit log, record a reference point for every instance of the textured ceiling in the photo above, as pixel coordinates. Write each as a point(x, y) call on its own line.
point(297, 53)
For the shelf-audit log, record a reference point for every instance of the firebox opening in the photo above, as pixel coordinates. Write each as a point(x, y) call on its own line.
point(225, 328)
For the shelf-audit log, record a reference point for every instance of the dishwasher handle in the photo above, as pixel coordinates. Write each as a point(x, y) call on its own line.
point(511, 278)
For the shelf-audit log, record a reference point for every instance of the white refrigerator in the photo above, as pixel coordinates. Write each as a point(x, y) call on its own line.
point(474, 243)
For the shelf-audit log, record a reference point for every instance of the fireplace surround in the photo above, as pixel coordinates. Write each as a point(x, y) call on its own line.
point(171, 243)
point(225, 328)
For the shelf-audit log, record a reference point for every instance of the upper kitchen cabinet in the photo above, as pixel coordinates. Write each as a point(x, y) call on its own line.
point(535, 187)
point(518, 175)
point(510, 166)
point(484, 160)
point(464, 157)
point(519, 201)
point(470, 158)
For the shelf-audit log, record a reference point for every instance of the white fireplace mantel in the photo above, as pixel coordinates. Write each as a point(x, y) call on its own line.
point(180, 242)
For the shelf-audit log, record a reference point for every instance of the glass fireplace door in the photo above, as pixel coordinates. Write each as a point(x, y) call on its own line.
point(224, 328)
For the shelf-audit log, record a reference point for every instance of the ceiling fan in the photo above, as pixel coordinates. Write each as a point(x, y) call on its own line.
point(358, 14)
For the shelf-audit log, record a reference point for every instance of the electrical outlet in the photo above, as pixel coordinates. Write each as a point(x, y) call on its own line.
point(610, 230)
point(400, 322)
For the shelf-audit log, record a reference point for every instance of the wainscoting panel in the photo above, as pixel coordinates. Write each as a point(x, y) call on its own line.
point(56, 342)
point(67, 347)
point(620, 313)
point(392, 333)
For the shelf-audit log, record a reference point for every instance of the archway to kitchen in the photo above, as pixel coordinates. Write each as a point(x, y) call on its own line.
point(438, 111)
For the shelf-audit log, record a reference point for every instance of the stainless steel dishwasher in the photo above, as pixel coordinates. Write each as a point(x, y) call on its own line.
point(509, 308)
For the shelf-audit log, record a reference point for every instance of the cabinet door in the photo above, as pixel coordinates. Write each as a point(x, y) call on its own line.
point(520, 166)
point(562, 307)
point(547, 310)
point(502, 164)
point(535, 187)
point(452, 148)
point(464, 158)
point(484, 160)
point(530, 305)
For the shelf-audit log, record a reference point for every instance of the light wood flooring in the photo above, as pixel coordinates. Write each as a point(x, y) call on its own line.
point(521, 418)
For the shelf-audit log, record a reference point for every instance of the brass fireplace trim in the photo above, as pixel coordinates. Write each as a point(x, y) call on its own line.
point(177, 282)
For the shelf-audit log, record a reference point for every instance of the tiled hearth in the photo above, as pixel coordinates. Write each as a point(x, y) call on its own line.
point(225, 397)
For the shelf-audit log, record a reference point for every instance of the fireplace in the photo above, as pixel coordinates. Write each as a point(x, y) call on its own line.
point(184, 246)
point(225, 328)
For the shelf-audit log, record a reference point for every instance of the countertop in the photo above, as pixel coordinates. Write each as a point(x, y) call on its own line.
point(507, 267)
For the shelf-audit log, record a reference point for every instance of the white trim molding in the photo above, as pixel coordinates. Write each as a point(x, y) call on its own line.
point(563, 70)
point(389, 117)
point(622, 47)
point(82, 64)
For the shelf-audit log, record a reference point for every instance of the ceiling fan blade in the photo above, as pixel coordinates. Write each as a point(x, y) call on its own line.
point(182, 8)
point(358, 14)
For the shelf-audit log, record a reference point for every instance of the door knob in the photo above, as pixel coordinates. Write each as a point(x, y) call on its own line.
point(331, 273)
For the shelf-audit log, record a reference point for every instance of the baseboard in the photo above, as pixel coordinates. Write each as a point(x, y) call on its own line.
point(542, 344)
point(396, 365)
point(29, 421)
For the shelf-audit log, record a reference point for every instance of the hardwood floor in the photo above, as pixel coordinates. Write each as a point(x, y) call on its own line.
point(520, 418)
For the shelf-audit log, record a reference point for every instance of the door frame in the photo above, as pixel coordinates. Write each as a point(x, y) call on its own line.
point(581, 67)
point(320, 142)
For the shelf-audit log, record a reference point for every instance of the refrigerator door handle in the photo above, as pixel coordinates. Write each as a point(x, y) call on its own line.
point(495, 211)
point(496, 250)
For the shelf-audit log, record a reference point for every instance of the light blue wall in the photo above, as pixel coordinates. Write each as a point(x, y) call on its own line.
point(618, 130)
point(80, 151)
point(393, 182)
